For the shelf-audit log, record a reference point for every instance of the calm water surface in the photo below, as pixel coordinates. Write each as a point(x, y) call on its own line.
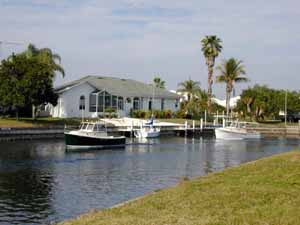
point(41, 182)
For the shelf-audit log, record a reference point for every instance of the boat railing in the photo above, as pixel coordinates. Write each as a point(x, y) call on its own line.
point(240, 124)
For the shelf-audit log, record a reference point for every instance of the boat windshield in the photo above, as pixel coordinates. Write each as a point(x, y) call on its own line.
point(90, 127)
point(99, 127)
point(83, 126)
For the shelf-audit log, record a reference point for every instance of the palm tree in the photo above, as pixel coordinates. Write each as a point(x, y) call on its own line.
point(230, 73)
point(46, 56)
point(211, 47)
point(189, 87)
point(248, 97)
point(159, 83)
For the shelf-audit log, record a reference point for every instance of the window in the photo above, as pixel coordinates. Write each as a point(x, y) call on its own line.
point(90, 127)
point(120, 103)
point(82, 103)
point(162, 104)
point(136, 103)
point(108, 102)
point(83, 126)
point(176, 103)
point(150, 104)
point(92, 102)
point(101, 99)
point(114, 102)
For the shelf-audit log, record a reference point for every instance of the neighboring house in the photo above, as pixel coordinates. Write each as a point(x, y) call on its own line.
point(92, 96)
point(183, 95)
point(232, 103)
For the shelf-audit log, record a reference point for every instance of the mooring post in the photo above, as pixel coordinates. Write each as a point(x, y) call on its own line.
point(205, 118)
point(186, 127)
point(131, 129)
point(223, 122)
point(201, 124)
point(299, 127)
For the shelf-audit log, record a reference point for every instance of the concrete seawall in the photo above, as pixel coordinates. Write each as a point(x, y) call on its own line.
point(14, 134)
point(278, 131)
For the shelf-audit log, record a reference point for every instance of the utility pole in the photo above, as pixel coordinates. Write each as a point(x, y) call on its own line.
point(285, 107)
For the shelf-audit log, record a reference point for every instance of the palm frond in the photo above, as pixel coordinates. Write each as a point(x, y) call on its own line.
point(241, 79)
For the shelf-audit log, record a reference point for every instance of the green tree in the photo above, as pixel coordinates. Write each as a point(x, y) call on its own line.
point(230, 73)
point(159, 83)
point(248, 97)
point(189, 87)
point(47, 57)
point(25, 81)
point(262, 102)
point(11, 90)
point(211, 48)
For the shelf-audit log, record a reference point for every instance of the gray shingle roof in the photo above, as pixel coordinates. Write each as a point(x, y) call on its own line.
point(120, 87)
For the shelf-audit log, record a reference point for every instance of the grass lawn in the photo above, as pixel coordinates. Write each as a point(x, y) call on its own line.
point(28, 122)
point(265, 192)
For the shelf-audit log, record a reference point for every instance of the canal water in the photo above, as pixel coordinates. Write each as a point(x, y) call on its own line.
point(41, 183)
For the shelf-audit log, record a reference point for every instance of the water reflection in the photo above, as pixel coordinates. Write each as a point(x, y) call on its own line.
point(40, 182)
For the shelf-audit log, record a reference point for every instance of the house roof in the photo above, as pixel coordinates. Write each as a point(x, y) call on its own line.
point(232, 102)
point(119, 87)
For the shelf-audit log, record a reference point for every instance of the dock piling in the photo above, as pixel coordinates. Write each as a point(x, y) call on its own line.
point(201, 124)
point(205, 118)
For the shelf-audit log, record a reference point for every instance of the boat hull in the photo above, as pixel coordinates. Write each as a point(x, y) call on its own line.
point(235, 134)
point(74, 141)
point(141, 134)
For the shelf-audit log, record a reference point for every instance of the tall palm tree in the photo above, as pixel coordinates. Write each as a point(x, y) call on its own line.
point(189, 87)
point(46, 56)
point(230, 73)
point(159, 83)
point(211, 48)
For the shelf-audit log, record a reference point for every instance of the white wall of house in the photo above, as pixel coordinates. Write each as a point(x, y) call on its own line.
point(69, 100)
point(169, 104)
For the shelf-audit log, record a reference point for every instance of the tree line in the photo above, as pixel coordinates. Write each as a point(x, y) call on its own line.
point(261, 102)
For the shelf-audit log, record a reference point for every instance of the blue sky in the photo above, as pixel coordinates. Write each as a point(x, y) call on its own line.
point(138, 39)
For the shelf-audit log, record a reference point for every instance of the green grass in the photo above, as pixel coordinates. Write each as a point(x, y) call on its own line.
point(29, 122)
point(263, 192)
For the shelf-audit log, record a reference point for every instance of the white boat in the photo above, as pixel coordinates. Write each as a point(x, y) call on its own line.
point(147, 132)
point(236, 131)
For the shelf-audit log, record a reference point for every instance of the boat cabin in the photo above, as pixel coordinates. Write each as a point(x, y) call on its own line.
point(92, 127)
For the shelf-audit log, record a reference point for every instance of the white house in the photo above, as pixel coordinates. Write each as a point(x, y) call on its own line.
point(91, 96)
point(232, 102)
point(184, 95)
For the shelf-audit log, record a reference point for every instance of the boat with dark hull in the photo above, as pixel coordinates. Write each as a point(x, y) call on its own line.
point(92, 135)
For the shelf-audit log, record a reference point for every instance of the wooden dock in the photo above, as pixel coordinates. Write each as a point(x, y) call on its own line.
point(175, 131)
